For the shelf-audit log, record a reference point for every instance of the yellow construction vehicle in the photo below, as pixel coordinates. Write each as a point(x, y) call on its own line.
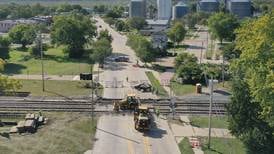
point(130, 102)
point(142, 118)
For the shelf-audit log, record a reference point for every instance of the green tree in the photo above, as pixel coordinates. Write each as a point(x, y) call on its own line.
point(115, 12)
point(184, 58)
point(74, 31)
point(3, 13)
point(105, 34)
point(100, 50)
point(120, 25)
point(4, 47)
point(251, 112)
point(191, 20)
point(145, 51)
point(177, 32)
point(142, 47)
point(230, 51)
point(187, 68)
point(222, 26)
point(22, 34)
point(137, 23)
point(6, 84)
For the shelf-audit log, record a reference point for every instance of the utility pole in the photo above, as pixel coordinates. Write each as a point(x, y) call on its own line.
point(42, 63)
point(201, 52)
point(92, 98)
point(210, 112)
point(223, 73)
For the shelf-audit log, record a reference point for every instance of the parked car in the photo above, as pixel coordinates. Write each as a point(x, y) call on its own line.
point(144, 87)
point(121, 59)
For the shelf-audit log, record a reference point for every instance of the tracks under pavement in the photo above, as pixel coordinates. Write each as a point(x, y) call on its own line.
point(184, 106)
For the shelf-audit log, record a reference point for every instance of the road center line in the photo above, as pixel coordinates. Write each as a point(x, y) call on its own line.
point(129, 143)
point(146, 145)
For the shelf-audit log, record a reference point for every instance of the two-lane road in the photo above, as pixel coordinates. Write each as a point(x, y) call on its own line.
point(116, 134)
point(114, 74)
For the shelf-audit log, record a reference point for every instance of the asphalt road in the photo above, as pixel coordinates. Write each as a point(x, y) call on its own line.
point(114, 74)
point(116, 134)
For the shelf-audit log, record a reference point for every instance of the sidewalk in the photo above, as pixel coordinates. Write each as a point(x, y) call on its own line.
point(187, 130)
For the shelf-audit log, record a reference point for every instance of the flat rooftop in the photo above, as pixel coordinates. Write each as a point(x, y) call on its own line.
point(157, 22)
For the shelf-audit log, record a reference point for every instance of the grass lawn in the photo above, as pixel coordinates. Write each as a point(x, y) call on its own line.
point(223, 146)
point(202, 121)
point(56, 88)
point(156, 84)
point(185, 147)
point(55, 63)
point(68, 133)
point(182, 89)
point(227, 85)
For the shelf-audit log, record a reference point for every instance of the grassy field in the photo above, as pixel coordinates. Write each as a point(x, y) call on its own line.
point(202, 121)
point(156, 84)
point(55, 63)
point(65, 133)
point(223, 146)
point(227, 85)
point(56, 88)
point(185, 147)
point(182, 89)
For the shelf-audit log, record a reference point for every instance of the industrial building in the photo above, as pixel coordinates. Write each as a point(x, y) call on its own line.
point(164, 8)
point(154, 26)
point(137, 8)
point(240, 8)
point(208, 5)
point(179, 10)
point(6, 25)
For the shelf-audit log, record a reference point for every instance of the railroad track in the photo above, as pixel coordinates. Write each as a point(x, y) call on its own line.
point(105, 106)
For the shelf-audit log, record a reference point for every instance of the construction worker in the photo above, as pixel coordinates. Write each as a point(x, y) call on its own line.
point(157, 112)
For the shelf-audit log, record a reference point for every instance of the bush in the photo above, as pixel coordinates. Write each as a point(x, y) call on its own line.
point(35, 50)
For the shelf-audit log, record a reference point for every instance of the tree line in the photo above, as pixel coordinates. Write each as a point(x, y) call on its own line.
point(16, 11)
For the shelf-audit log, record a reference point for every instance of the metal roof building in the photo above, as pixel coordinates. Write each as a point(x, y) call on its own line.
point(179, 10)
point(164, 8)
point(208, 5)
point(137, 8)
point(240, 8)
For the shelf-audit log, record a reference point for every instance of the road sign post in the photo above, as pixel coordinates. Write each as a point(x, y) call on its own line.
point(88, 76)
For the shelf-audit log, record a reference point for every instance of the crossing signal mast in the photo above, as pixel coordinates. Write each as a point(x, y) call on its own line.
point(88, 76)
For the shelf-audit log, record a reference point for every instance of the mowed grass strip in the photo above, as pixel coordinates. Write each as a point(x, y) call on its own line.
point(202, 121)
point(55, 63)
point(182, 89)
point(223, 146)
point(55, 88)
point(156, 84)
point(185, 146)
point(67, 133)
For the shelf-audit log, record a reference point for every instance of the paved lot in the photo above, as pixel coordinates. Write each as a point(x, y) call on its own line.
point(114, 74)
point(116, 134)
point(198, 45)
